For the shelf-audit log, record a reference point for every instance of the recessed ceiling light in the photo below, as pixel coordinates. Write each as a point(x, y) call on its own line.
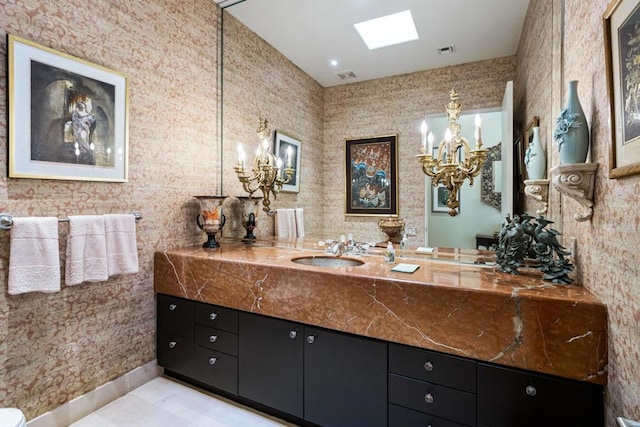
point(333, 62)
point(388, 30)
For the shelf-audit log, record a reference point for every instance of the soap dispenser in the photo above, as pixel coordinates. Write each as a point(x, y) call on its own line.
point(390, 254)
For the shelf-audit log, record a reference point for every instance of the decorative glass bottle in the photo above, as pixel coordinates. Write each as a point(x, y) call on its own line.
point(535, 158)
point(572, 132)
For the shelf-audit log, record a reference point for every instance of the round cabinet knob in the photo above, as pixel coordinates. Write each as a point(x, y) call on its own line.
point(172, 307)
point(428, 366)
point(213, 316)
point(428, 398)
point(311, 339)
point(293, 334)
point(172, 344)
point(212, 361)
point(213, 338)
point(531, 390)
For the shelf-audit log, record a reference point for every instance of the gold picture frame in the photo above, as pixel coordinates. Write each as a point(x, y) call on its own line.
point(68, 118)
point(620, 22)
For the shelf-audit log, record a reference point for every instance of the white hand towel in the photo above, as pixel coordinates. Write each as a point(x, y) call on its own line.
point(285, 223)
point(299, 213)
point(122, 249)
point(34, 261)
point(86, 250)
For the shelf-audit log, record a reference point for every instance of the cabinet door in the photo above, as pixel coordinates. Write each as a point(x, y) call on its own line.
point(175, 316)
point(175, 353)
point(345, 379)
point(509, 397)
point(270, 362)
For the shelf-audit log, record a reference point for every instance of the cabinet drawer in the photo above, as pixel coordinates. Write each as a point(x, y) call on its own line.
point(508, 397)
point(216, 369)
point(443, 402)
point(403, 417)
point(217, 317)
point(175, 353)
point(217, 339)
point(175, 315)
point(436, 368)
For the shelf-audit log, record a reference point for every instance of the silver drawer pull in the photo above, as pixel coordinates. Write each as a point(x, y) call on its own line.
point(172, 344)
point(172, 307)
point(428, 366)
point(428, 398)
point(311, 339)
point(212, 361)
point(530, 390)
point(213, 316)
point(213, 338)
point(293, 334)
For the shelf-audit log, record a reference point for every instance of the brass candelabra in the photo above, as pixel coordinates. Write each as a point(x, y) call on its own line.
point(454, 160)
point(267, 172)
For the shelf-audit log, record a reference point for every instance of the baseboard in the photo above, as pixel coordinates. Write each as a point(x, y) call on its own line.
point(81, 406)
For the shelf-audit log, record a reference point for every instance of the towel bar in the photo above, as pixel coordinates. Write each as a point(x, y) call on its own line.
point(6, 220)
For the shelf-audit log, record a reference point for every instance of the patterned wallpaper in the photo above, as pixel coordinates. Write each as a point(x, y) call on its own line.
point(54, 347)
point(607, 245)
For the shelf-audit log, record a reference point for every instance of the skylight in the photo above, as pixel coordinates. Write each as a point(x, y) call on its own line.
point(388, 30)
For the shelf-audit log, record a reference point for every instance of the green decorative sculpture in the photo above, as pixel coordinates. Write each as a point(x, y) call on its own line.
point(520, 238)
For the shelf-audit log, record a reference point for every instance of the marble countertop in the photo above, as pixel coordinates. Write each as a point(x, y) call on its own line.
point(455, 307)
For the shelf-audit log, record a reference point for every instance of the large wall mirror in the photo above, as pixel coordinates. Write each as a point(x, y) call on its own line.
point(257, 81)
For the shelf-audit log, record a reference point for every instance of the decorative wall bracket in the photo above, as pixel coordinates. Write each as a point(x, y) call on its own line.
point(576, 180)
point(538, 189)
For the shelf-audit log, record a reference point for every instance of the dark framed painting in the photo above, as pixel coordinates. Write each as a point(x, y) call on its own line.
point(371, 176)
point(288, 151)
point(621, 35)
point(534, 122)
point(68, 118)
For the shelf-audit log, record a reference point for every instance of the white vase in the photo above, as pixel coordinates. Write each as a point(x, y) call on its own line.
point(535, 158)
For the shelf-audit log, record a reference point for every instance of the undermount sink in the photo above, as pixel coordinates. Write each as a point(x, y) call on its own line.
point(327, 261)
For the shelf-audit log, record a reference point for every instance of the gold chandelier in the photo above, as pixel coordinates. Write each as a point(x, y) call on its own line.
point(454, 161)
point(267, 170)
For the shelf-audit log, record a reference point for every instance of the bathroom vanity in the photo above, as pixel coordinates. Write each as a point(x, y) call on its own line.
point(452, 344)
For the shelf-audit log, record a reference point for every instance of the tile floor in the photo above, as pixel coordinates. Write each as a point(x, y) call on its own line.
point(164, 402)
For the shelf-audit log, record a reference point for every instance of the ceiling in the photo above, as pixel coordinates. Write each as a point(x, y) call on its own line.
point(313, 32)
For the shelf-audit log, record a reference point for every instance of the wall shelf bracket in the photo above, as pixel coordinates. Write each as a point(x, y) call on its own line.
point(577, 180)
point(538, 189)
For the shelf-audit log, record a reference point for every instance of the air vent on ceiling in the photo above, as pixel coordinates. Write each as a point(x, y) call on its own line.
point(346, 74)
point(446, 50)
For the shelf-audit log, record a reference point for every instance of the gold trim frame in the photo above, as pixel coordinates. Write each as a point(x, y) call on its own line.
point(371, 176)
point(283, 142)
point(68, 118)
point(620, 21)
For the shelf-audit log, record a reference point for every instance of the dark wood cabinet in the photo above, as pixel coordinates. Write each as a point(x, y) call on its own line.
point(509, 397)
point(333, 379)
point(270, 363)
point(345, 379)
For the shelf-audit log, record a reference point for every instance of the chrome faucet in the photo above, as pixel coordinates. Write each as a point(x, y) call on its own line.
point(339, 249)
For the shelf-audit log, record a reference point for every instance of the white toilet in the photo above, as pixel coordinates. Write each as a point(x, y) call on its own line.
point(12, 417)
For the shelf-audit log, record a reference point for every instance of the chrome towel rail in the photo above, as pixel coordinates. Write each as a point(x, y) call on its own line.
point(6, 220)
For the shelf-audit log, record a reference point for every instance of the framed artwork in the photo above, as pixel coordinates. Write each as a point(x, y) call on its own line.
point(371, 176)
point(528, 138)
point(68, 118)
point(288, 151)
point(439, 197)
point(621, 33)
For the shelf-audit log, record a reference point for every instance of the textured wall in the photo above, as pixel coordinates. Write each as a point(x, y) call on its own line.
point(397, 105)
point(54, 347)
point(258, 81)
point(607, 245)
